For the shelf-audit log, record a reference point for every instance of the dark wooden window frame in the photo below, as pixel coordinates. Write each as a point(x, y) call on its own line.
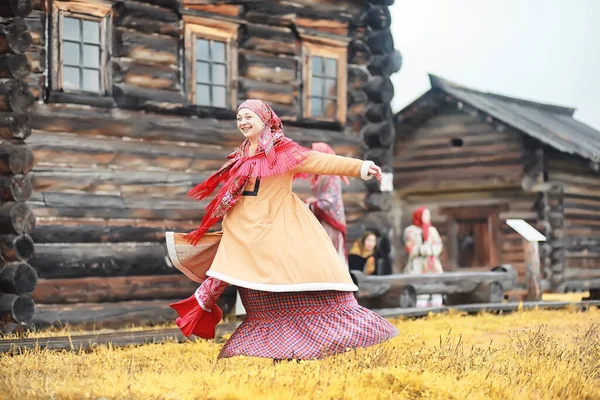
point(217, 30)
point(490, 213)
point(99, 11)
point(326, 48)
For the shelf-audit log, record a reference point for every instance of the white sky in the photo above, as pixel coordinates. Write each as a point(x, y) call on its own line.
point(540, 50)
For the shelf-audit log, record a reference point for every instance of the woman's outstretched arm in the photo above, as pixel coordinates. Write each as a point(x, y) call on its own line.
point(326, 164)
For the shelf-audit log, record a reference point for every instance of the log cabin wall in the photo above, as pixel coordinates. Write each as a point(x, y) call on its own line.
point(17, 278)
point(575, 220)
point(115, 154)
point(464, 169)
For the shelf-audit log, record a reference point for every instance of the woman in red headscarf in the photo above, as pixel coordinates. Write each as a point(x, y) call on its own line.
point(423, 244)
point(328, 205)
point(296, 291)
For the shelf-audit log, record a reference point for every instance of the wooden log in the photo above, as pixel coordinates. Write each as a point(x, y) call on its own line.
point(151, 49)
point(170, 4)
point(54, 261)
point(269, 39)
point(270, 92)
point(37, 59)
point(379, 112)
point(386, 64)
point(534, 280)
point(16, 218)
point(15, 8)
point(105, 316)
point(16, 157)
point(359, 53)
point(92, 152)
point(14, 126)
point(19, 309)
point(146, 76)
point(16, 188)
point(268, 69)
point(18, 278)
point(378, 17)
point(16, 247)
point(382, 2)
point(357, 97)
point(136, 98)
point(14, 66)
point(111, 289)
point(378, 201)
point(380, 42)
point(14, 95)
point(14, 37)
point(380, 156)
point(378, 134)
point(36, 26)
point(147, 19)
point(152, 127)
point(357, 78)
point(380, 90)
point(81, 233)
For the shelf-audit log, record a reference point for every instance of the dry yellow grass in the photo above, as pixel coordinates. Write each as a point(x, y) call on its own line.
point(525, 355)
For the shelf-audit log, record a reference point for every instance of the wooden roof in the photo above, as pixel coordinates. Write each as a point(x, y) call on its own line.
point(550, 124)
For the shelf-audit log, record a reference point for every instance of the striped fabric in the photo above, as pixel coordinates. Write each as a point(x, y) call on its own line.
point(304, 325)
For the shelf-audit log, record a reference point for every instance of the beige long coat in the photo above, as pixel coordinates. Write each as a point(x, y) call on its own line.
point(270, 239)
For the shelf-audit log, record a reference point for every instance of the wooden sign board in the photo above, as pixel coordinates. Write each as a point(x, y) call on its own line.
point(531, 237)
point(527, 231)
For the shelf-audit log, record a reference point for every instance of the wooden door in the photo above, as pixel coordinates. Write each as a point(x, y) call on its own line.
point(473, 237)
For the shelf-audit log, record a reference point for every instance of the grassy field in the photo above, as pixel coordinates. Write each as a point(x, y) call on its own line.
point(525, 355)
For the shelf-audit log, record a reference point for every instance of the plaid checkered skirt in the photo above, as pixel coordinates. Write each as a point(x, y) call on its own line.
point(304, 325)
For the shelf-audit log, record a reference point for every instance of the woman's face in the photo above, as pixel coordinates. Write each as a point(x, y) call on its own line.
point(426, 217)
point(370, 242)
point(249, 123)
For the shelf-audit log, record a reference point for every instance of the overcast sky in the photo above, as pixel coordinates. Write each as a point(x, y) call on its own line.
point(540, 50)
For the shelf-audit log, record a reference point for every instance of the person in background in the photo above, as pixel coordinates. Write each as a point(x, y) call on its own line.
point(423, 245)
point(361, 256)
point(327, 204)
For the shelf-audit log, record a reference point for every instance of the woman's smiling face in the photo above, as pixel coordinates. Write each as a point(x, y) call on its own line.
point(249, 123)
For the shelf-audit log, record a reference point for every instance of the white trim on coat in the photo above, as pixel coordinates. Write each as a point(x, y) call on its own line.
point(294, 287)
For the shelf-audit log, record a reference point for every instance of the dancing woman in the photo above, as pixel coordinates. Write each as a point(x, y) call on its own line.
point(296, 291)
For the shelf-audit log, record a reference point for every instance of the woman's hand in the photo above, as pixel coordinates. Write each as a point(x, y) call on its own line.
point(310, 200)
point(375, 171)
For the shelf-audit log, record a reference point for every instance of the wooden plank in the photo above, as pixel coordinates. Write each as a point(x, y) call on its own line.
point(112, 289)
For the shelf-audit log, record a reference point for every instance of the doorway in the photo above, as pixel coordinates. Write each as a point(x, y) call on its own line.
point(473, 236)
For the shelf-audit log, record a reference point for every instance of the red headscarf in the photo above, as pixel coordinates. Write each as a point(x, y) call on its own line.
point(275, 155)
point(418, 221)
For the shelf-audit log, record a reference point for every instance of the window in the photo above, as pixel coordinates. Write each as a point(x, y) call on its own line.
point(79, 61)
point(81, 54)
point(325, 81)
point(211, 62)
point(211, 73)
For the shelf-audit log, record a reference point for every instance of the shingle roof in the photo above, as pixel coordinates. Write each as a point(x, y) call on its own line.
point(550, 124)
